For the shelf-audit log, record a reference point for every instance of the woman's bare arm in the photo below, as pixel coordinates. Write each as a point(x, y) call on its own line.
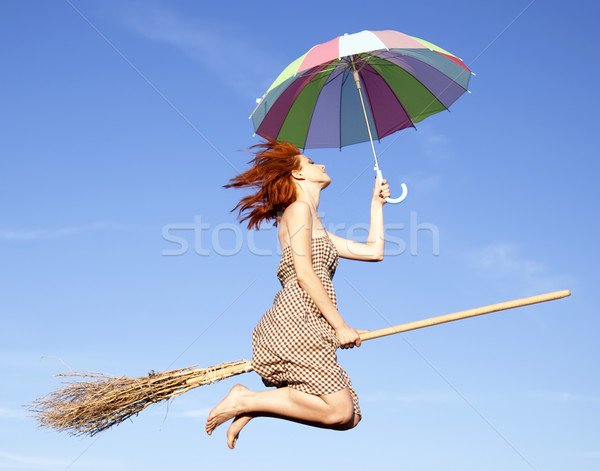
point(298, 220)
point(372, 249)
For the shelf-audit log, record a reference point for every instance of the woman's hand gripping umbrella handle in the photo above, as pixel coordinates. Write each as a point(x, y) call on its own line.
point(400, 198)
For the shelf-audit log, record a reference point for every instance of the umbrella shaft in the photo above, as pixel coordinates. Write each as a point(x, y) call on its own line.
point(362, 102)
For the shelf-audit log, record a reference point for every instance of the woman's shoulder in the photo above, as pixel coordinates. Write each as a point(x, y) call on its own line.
point(298, 207)
point(297, 217)
point(297, 212)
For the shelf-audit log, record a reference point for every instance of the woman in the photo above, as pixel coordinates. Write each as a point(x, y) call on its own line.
point(295, 341)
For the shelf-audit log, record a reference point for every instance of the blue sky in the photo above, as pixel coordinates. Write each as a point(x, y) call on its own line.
point(121, 121)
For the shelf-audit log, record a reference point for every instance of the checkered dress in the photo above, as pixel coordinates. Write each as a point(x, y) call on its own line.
point(293, 343)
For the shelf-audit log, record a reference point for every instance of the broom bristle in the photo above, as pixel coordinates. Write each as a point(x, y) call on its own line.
point(89, 407)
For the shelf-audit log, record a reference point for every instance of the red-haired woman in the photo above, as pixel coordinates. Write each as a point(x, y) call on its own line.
point(295, 341)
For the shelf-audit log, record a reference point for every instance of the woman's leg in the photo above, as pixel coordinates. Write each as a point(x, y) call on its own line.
point(240, 421)
point(233, 432)
point(334, 411)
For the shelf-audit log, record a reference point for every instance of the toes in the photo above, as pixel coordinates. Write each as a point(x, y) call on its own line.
point(209, 427)
point(231, 440)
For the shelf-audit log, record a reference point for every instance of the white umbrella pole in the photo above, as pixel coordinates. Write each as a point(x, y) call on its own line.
point(362, 102)
point(377, 169)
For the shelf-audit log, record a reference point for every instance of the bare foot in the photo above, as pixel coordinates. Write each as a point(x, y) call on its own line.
point(234, 429)
point(227, 409)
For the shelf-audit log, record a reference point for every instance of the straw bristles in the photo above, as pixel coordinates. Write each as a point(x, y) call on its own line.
point(89, 407)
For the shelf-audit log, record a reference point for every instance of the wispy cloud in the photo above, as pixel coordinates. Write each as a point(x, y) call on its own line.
point(12, 413)
point(424, 184)
point(411, 398)
point(585, 454)
point(10, 460)
point(434, 145)
point(232, 57)
point(52, 233)
point(201, 413)
point(16, 461)
point(505, 262)
point(564, 397)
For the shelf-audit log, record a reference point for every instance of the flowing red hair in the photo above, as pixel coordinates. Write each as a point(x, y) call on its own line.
point(271, 175)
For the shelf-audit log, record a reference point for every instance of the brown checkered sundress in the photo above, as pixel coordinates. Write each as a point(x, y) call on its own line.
point(293, 343)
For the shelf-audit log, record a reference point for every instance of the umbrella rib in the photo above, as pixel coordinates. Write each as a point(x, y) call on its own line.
point(312, 113)
point(385, 57)
point(390, 64)
point(374, 72)
point(329, 70)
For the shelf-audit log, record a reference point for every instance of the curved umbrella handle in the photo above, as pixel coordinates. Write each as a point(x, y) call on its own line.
point(402, 186)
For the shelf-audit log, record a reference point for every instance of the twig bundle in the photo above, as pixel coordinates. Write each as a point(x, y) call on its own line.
point(89, 407)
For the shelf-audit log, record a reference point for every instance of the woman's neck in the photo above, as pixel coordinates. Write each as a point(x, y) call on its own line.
point(310, 195)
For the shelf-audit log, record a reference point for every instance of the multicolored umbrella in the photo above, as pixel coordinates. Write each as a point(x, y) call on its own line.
point(314, 103)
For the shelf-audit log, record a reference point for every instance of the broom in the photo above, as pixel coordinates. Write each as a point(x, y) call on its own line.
point(89, 407)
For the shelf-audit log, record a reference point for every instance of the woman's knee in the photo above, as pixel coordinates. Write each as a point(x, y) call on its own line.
point(348, 423)
point(341, 414)
point(341, 409)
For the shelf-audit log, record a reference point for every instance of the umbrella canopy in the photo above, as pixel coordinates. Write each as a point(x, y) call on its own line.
point(314, 103)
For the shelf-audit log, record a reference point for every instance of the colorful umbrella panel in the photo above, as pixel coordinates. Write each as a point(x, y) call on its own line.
point(314, 102)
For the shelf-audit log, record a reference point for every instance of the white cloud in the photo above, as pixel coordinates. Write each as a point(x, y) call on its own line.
point(14, 461)
point(234, 59)
point(197, 413)
point(12, 413)
point(425, 184)
point(434, 145)
point(564, 397)
point(430, 397)
point(51, 233)
point(504, 261)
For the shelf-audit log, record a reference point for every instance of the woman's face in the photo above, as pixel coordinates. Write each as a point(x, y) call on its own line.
point(313, 172)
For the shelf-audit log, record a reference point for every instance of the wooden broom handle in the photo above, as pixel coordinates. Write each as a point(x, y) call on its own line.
point(464, 314)
point(226, 370)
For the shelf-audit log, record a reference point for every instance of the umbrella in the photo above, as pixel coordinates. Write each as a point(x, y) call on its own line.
point(401, 80)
